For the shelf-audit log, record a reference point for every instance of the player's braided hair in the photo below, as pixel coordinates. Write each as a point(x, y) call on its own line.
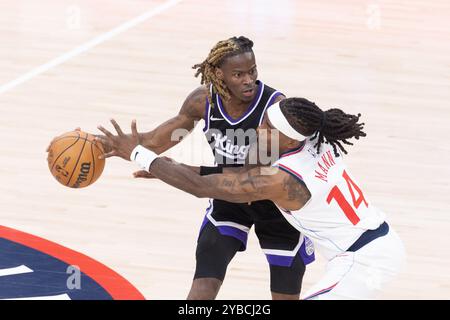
point(333, 126)
point(222, 50)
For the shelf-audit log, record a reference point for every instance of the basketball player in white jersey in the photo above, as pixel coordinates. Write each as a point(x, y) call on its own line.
point(311, 186)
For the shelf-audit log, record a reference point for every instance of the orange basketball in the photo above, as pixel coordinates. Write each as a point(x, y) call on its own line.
point(73, 159)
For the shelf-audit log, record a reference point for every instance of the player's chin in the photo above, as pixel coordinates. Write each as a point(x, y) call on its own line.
point(246, 98)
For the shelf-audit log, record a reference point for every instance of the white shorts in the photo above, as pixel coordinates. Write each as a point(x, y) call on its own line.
point(361, 274)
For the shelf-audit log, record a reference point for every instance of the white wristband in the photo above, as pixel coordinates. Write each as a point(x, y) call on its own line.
point(143, 157)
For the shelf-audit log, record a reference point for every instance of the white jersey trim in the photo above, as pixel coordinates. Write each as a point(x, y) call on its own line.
point(267, 105)
point(247, 115)
point(223, 223)
point(208, 114)
point(286, 253)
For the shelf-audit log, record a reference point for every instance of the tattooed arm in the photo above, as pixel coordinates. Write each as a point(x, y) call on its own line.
point(255, 184)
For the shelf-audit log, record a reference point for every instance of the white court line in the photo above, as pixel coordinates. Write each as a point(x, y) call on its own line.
point(63, 296)
point(17, 270)
point(88, 45)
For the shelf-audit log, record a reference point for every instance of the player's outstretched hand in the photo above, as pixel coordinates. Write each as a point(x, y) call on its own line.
point(120, 145)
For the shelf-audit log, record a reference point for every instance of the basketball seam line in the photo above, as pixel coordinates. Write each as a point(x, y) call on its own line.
point(78, 160)
point(93, 163)
point(62, 138)
point(53, 165)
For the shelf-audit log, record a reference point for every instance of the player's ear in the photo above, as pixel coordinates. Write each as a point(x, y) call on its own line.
point(219, 73)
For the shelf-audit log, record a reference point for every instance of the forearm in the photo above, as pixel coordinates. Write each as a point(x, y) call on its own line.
point(180, 176)
point(233, 187)
point(169, 133)
point(207, 170)
point(194, 169)
point(204, 170)
point(151, 140)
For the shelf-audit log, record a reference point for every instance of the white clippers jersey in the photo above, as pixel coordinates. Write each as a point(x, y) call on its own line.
point(338, 211)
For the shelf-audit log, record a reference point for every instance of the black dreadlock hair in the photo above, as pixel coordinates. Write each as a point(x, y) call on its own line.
point(333, 126)
point(221, 51)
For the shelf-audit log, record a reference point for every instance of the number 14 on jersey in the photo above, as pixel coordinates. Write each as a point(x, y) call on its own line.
point(357, 198)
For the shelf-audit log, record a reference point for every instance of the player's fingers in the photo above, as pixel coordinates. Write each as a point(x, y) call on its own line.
point(134, 131)
point(142, 174)
point(77, 129)
point(117, 127)
point(103, 142)
point(137, 174)
point(100, 139)
point(106, 132)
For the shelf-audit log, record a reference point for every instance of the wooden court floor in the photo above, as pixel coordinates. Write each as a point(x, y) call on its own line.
point(389, 60)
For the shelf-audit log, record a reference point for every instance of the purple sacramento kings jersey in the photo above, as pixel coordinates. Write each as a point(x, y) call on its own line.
point(230, 138)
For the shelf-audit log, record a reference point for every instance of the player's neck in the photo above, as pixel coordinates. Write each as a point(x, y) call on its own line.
point(235, 107)
point(287, 148)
